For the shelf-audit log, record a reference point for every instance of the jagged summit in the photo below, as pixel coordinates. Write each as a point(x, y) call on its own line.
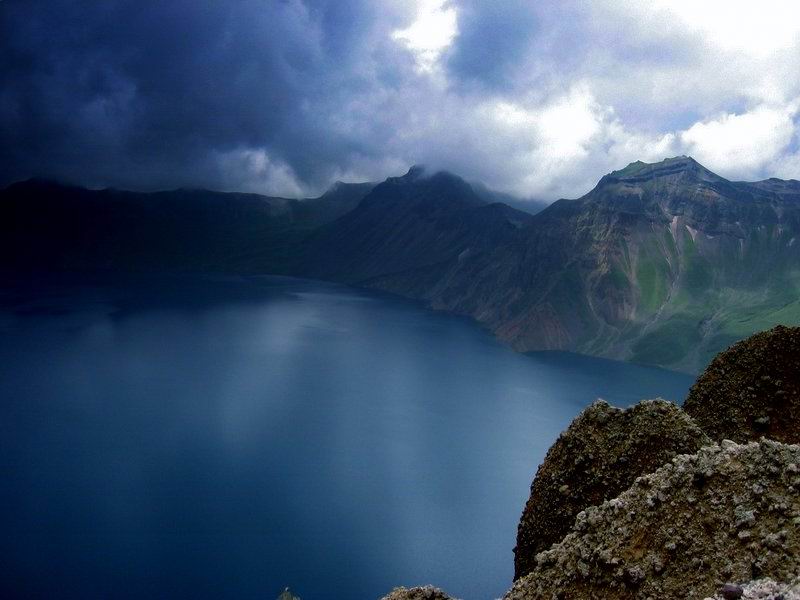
point(415, 172)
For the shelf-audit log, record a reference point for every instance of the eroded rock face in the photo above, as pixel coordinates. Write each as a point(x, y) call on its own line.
point(417, 593)
point(727, 513)
point(752, 389)
point(599, 456)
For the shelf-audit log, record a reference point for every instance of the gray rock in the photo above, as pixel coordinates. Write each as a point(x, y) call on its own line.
point(731, 591)
point(683, 549)
point(599, 456)
point(763, 589)
point(417, 593)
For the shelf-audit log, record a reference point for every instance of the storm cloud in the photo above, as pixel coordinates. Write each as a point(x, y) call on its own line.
point(286, 96)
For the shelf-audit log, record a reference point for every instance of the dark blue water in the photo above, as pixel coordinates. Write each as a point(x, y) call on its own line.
point(229, 438)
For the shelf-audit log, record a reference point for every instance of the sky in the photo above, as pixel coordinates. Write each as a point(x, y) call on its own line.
point(284, 97)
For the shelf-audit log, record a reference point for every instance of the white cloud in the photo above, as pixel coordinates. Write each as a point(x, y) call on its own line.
point(543, 141)
point(252, 170)
point(757, 28)
point(741, 144)
point(564, 127)
point(433, 30)
point(567, 125)
point(787, 167)
point(719, 80)
point(649, 81)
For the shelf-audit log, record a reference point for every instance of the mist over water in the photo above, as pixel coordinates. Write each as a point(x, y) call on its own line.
point(227, 438)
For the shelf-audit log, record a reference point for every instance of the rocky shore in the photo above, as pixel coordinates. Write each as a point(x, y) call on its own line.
point(659, 502)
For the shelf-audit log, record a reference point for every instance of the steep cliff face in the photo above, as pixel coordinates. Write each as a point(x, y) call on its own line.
point(662, 263)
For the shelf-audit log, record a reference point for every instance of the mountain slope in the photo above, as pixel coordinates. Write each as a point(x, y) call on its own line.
point(528, 205)
point(662, 263)
point(407, 225)
point(49, 226)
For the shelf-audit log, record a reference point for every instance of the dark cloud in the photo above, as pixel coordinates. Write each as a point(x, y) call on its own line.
point(493, 41)
point(284, 96)
point(149, 93)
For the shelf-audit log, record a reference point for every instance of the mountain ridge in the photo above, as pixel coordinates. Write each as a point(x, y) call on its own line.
point(634, 266)
point(663, 263)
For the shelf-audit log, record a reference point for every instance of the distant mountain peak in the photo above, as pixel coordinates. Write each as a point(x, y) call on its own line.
point(415, 172)
point(420, 171)
point(676, 166)
point(420, 174)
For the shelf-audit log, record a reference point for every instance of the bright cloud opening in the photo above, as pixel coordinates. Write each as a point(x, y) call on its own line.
point(741, 143)
point(433, 30)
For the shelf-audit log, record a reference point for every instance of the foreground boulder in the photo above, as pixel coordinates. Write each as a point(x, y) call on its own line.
point(599, 456)
point(724, 514)
point(752, 389)
point(418, 593)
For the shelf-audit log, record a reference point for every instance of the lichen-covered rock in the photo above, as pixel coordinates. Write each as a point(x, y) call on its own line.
point(599, 456)
point(287, 594)
point(417, 593)
point(725, 514)
point(763, 589)
point(752, 389)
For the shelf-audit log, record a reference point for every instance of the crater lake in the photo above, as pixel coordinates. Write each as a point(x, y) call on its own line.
point(227, 437)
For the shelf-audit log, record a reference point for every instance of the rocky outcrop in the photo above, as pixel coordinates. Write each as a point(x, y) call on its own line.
point(727, 513)
point(599, 456)
point(752, 389)
point(418, 593)
point(287, 594)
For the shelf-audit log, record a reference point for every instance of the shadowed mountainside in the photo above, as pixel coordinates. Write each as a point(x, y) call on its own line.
point(46, 226)
point(663, 264)
point(408, 226)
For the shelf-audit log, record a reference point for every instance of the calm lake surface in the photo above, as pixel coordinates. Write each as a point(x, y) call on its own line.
point(227, 438)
